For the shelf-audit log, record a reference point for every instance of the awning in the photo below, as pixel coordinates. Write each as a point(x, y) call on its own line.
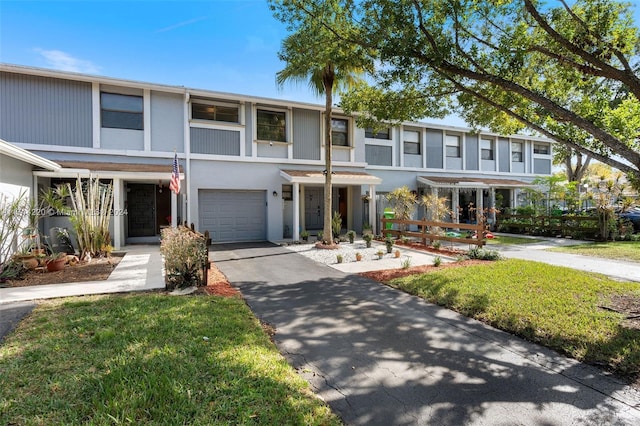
point(338, 177)
point(468, 182)
point(111, 170)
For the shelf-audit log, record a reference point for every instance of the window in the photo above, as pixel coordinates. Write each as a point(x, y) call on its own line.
point(411, 142)
point(272, 126)
point(541, 149)
point(380, 134)
point(453, 146)
point(516, 152)
point(486, 145)
point(202, 111)
point(339, 132)
point(121, 111)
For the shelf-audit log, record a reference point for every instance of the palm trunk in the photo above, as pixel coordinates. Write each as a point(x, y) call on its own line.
point(327, 234)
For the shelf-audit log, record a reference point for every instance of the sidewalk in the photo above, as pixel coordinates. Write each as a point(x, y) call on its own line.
point(140, 269)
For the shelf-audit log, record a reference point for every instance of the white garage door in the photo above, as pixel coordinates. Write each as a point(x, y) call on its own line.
point(233, 215)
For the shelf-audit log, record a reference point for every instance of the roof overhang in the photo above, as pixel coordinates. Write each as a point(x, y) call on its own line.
point(464, 182)
point(106, 170)
point(13, 151)
point(338, 177)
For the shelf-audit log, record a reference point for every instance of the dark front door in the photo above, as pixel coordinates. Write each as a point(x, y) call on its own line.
point(141, 211)
point(163, 208)
point(313, 208)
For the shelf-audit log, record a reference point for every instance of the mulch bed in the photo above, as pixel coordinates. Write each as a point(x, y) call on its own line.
point(218, 285)
point(390, 274)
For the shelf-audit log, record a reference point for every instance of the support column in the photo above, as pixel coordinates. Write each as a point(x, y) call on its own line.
point(455, 202)
point(479, 203)
point(296, 211)
point(118, 207)
point(372, 210)
point(492, 206)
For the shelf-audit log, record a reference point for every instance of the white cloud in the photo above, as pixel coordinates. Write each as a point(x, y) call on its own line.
point(63, 61)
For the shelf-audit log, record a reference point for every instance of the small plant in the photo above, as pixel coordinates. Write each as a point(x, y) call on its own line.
point(367, 239)
point(304, 235)
point(319, 236)
point(389, 243)
point(406, 263)
point(404, 240)
point(336, 224)
point(351, 235)
point(339, 258)
point(185, 256)
point(483, 254)
point(366, 228)
point(358, 257)
point(437, 261)
point(380, 253)
point(436, 244)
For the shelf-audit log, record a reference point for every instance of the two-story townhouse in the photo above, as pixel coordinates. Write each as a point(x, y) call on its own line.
point(252, 167)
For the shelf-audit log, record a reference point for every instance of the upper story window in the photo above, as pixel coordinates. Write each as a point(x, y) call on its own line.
point(411, 140)
point(339, 132)
point(121, 111)
point(379, 134)
point(486, 146)
point(215, 112)
point(272, 125)
point(453, 146)
point(516, 152)
point(540, 148)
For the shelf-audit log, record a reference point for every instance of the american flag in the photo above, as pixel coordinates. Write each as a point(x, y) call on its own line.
point(174, 185)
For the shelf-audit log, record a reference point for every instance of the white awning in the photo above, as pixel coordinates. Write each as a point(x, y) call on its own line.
point(338, 177)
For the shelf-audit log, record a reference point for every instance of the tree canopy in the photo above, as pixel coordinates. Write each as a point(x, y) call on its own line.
point(565, 70)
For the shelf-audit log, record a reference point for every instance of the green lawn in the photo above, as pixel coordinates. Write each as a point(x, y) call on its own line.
point(149, 358)
point(554, 306)
point(623, 250)
point(507, 239)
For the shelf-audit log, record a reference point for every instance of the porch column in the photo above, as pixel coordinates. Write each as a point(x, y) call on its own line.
point(479, 203)
point(455, 201)
point(296, 211)
point(492, 205)
point(514, 196)
point(301, 211)
point(372, 210)
point(117, 218)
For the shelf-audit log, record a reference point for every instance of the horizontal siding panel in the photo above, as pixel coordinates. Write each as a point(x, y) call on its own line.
point(44, 110)
point(215, 141)
point(377, 155)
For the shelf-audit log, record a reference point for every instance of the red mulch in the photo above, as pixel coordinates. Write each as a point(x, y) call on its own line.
point(389, 274)
point(218, 284)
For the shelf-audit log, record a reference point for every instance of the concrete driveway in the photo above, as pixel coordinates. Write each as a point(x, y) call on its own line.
point(379, 356)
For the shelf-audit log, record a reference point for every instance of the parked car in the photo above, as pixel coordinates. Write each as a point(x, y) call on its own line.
point(633, 216)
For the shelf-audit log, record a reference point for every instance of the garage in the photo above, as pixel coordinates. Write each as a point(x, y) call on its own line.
point(232, 216)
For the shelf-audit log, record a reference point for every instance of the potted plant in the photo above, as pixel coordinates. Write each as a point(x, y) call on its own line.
point(351, 235)
point(358, 257)
point(366, 229)
point(380, 253)
point(339, 258)
point(304, 235)
point(367, 239)
point(56, 261)
point(389, 243)
point(396, 253)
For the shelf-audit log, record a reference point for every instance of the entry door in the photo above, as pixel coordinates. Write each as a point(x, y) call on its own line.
point(141, 212)
point(314, 208)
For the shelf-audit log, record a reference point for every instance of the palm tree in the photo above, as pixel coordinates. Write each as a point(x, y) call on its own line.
point(319, 57)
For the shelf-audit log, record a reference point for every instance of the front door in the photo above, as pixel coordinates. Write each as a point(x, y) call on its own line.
point(313, 208)
point(141, 211)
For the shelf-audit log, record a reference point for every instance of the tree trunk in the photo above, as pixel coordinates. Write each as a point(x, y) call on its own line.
point(327, 232)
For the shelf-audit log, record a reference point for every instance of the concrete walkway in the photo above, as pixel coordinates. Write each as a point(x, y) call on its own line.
point(380, 356)
point(140, 269)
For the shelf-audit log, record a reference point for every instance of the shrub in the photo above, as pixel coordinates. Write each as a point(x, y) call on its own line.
point(483, 254)
point(351, 235)
point(436, 244)
point(336, 224)
point(406, 263)
point(339, 258)
point(185, 256)
point(437, 261)
point(367, 239)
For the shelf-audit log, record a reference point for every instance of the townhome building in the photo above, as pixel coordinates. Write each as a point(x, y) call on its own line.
point(251, 168)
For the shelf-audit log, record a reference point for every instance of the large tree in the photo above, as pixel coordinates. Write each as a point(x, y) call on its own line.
point(314, 54)
point(566, 70)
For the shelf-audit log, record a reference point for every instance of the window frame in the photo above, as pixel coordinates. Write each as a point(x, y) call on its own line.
point(368, 133)
point(412, 143)
point(457, 146)
point(113, 112)
point(285, 132)
point(346, 132)
point(545, 145)
point(208, 103)
point(517, 156)
point(490, 150)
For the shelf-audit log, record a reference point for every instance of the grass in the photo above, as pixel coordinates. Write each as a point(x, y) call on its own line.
point(622, 250)
point(149, 359)
point(509, 240)
point(554, 306)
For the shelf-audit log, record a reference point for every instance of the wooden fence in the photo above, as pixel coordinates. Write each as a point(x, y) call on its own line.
point(436, 231)
point(569, 225)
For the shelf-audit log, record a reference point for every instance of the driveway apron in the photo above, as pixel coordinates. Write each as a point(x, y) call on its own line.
point(379, 356)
